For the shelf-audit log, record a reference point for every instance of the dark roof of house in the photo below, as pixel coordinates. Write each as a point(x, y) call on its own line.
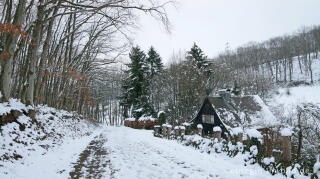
point(245, 110)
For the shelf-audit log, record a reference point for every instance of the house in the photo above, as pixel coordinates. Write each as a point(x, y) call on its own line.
point(229, 111)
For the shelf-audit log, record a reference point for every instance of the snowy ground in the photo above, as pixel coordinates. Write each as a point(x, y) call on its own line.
point(56, 163)
point(121, 152)
point(46, 145)
point(137, 154)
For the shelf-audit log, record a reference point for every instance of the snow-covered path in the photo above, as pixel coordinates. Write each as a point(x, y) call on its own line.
point(125, 153)
point(137, 154)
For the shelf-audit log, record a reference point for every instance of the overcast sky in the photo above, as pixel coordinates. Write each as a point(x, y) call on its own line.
point(213, 23)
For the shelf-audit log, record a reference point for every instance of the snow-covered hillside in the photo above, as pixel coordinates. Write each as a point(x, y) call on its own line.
point(289, 98)
point(46, 144)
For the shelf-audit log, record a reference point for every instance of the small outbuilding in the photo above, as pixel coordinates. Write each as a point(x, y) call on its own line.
point(227, 111)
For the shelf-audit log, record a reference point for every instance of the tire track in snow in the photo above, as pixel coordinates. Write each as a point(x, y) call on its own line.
point(93, 162)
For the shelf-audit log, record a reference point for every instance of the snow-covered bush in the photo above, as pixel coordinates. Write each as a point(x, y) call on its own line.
point(251, 155)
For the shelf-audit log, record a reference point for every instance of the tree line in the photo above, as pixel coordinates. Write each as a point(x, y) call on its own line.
point(254, 68)
point(273, 60)
point(54, 52)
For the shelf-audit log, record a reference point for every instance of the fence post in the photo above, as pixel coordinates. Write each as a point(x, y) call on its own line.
point(182, 131)
point(164, 130)
point(199, 126)
point(186, 127)
point(169, 130)
point(156, 130)
point(176, 131)
point(217, 133)
point(286, 144)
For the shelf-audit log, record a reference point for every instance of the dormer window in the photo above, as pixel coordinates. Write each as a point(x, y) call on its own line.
point(209, 119)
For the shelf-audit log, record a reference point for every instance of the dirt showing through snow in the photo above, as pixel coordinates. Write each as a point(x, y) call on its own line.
point(93, 162)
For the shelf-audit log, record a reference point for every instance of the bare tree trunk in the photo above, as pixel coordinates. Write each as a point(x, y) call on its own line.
point(285, 69)
point(44, 54)
point(33, 53)
point(300, 65)
point(10, 41)
point(310, 68)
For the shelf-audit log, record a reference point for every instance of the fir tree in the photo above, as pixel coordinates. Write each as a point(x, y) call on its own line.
point(197, 55)
point(135, 88)
point(155, 74)
point(154, 62)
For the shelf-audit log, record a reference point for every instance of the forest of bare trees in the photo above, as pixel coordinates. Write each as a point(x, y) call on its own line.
point(255, 68)
point(57, 52)
point(60, 53)
point(273, 59)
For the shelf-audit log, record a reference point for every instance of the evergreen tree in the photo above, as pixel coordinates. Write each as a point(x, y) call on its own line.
point(154, 62)
point(135, 88)
point(155, 70)
point(197, 55)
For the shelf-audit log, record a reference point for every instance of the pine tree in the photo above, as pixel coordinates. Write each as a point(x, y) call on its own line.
point(197, 55)
point(155, 70)
point(135, 88)
point(154, 62)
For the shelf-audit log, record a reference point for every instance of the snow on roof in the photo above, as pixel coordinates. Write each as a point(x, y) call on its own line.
point(176, 127)
point(249, 110)
point(146, 118)
point(169, 126)
point(265, 117)
point(130, 119)
point(182, 127)
point(142, 118)
point(286, 132)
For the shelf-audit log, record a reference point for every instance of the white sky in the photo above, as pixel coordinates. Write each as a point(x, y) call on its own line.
point(213, 23)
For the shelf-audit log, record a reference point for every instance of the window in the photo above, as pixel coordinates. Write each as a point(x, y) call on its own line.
point(209, 119)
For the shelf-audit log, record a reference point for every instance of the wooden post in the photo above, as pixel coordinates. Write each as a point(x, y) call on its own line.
point(182, 131)
point(176, 131)
point(286, 148)
point(217, 133)
point(199, 126)
point(156, 130)
point(169, 127)
point(286, 144)
point(186, 127)
point(164, 130)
